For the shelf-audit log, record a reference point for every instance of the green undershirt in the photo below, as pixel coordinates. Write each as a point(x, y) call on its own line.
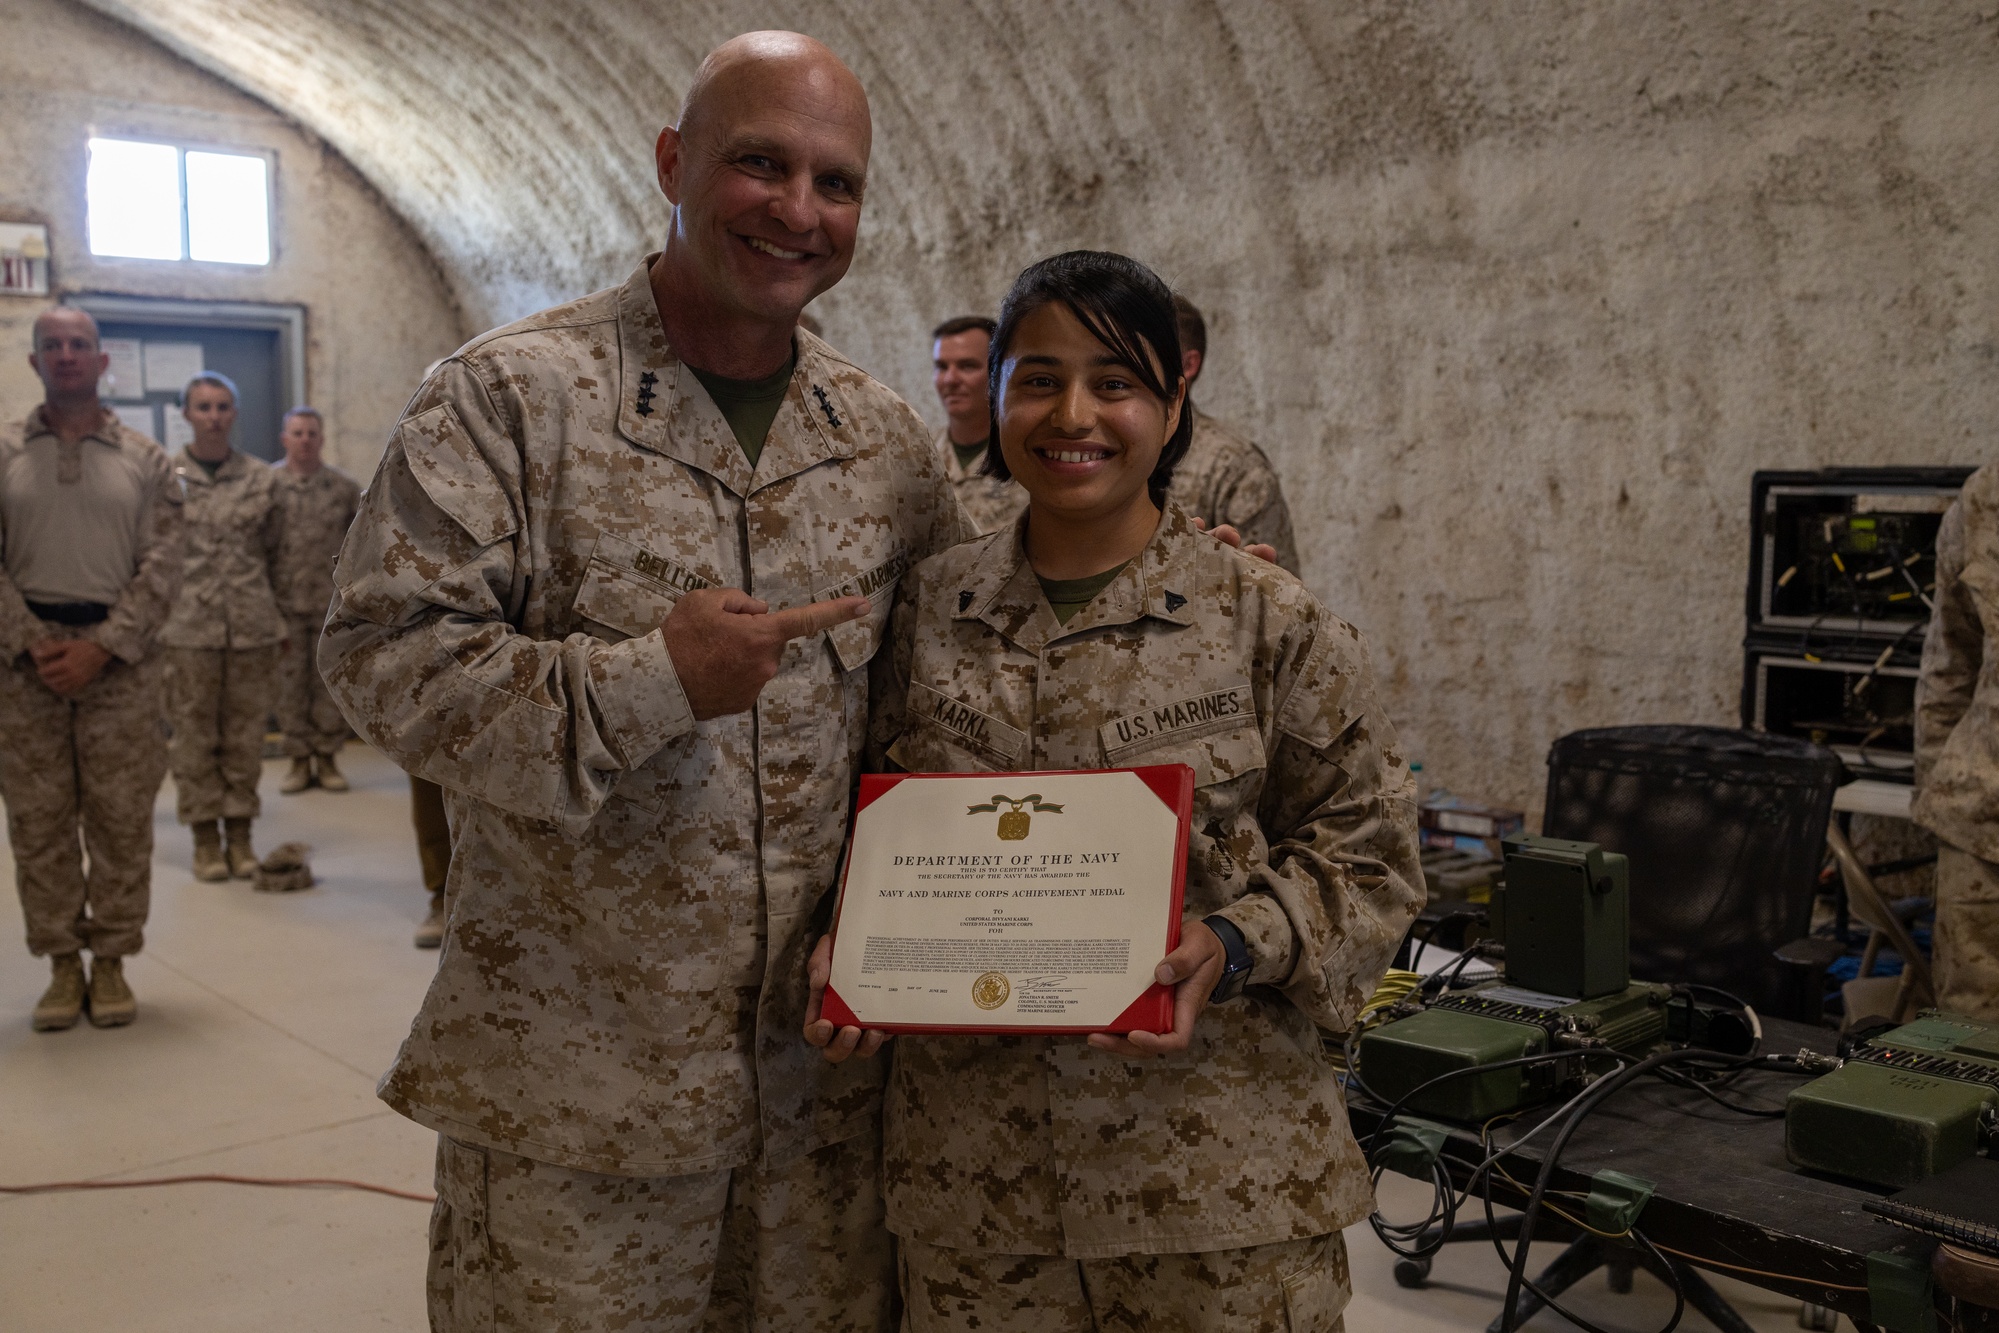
point(211, 468)
point(749, 406)
point(1068, 596)
point(968, 454)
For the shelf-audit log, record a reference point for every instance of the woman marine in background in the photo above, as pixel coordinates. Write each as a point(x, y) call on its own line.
point(1196, 1179)
point(225, 635)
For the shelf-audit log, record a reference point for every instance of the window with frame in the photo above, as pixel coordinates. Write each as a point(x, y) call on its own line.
point(164, 201)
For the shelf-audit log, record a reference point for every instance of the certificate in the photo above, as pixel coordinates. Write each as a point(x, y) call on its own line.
point(1012, 902)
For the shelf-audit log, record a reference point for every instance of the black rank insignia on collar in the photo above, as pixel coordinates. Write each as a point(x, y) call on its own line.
point(647, 381)
point(964, 599)
point(826, 406)
point(1174, 601)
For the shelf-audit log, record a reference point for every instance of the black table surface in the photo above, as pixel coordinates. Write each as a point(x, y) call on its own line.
point(1726, 1197)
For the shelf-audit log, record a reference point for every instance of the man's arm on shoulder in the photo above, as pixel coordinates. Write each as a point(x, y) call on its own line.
point(1254, 506)
point(421, 649)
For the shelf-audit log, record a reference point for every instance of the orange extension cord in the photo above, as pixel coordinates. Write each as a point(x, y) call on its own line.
point(276, 1182)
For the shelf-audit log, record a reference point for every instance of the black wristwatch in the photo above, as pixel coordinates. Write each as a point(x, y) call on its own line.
point(1235, 973)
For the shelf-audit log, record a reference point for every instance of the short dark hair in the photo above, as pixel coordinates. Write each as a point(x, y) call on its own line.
point(303, 411)
point(1193, 329)
point(1125, 307)
point(962, 324)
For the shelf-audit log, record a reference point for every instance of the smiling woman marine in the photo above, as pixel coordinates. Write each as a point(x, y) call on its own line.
point(1196, 1179)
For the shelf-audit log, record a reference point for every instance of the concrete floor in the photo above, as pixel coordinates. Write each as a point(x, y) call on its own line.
point(264, 1023)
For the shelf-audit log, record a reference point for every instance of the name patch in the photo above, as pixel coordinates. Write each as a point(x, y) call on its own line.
point(972, 728)
point(1231, 706)
point(868, 584)
point(662, 570)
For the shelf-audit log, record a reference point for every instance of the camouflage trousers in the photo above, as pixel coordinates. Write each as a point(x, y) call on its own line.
point(1967, 934)
point(79, 777)
point(308, 717)
point(1299, 1286)
point(519, 1244)
point(219, 700)
point(433, 833)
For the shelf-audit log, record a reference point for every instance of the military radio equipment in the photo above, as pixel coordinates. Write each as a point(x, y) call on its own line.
point(1489, 1024)
point(1564, 918)
point(1907, 1104)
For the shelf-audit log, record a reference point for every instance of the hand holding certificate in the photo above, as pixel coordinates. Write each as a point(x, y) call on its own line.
point(1037, 902)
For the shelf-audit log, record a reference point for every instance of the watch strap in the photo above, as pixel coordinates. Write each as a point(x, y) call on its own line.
point(1240, 963)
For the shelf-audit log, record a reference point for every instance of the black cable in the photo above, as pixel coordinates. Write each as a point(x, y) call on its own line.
point(1594, 1097)
point(1423, 940)
point(1680, 1080)
point(1443, 981)
point(1492, 1225)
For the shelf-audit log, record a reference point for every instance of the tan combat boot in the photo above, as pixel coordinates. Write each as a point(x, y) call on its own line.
point(299, 778)
point(242, 861)
point(209, 862)
point(111, 1002)
point(430, 934)
point(327, 773)
point(62, 1002)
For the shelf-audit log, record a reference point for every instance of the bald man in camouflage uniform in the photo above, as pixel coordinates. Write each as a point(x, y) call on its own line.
point(1219, 1201)
point(1226, 479)
point(620, 604)
point(1957, 749)
point(319, 503)
point(91, 529)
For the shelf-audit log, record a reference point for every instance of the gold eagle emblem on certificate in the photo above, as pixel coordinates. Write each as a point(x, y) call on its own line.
point(992, 988)
point(1013, 823)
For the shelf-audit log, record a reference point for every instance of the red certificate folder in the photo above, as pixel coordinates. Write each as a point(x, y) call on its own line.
point(1152, 1011)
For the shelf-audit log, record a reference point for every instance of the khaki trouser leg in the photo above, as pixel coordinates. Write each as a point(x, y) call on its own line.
point(308, 717)
point(1299, 1286)
point(82, 773)
point(520, 1244)
point(433, 833)
point(1966, 942)
point(220, 699)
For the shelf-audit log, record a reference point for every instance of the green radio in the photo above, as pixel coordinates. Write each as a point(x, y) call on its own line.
point(1910, 1102)
point(1564, 919)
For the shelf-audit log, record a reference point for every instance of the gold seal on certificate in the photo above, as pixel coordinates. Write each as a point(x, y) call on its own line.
point(1011, 902)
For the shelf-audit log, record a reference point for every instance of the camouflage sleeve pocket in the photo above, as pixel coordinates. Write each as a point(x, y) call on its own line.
point(629, 589)
point(455, 475)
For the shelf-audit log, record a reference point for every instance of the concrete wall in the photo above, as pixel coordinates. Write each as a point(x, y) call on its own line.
point(1518, 296)
point(377, 307)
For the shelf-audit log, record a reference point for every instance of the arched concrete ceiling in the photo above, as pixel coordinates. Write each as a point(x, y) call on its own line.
point(1517, 295)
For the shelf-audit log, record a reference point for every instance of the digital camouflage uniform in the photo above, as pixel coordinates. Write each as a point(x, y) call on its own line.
point(988, 502)
point(91, 764)
point(1957, 749)
point(318, 509)
point(1303, 834)
point(605, 1002)
point(223, 638)
point(1226, 479)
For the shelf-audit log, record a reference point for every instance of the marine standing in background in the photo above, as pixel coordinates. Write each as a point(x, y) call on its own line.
point(90, 527)
point(319, 503)
point(1224, 478)
point(226, 633)
point(1957, 749)
point(615, 587)
point(958, 356)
